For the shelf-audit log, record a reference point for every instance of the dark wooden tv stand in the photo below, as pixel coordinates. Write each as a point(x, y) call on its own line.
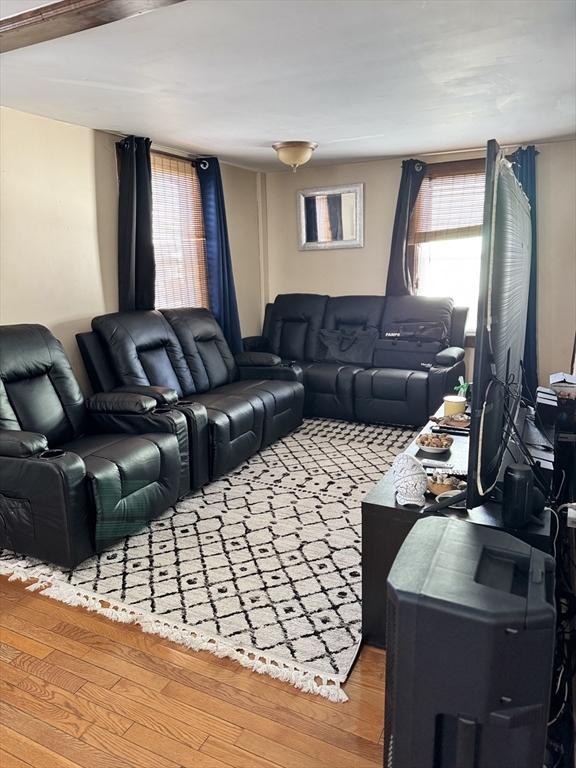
point(385, 525)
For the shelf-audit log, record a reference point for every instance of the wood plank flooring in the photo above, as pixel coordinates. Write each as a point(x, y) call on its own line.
point(79, 690)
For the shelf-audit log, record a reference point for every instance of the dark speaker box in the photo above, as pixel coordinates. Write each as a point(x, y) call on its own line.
point(520, 501)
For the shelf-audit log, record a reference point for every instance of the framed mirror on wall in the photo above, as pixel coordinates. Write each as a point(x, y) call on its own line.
point(331, 217)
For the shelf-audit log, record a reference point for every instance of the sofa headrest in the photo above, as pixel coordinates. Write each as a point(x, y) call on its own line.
point(353, 312)
point(38, 389)
point(293, 324)
point(25, 352)
point(145, 350)
point(209, 359)
point(300, 306)
point(407, 309)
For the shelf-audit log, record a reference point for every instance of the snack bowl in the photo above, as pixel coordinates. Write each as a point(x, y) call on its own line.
point(438, 488)
point(440, 482)
point(432, 443)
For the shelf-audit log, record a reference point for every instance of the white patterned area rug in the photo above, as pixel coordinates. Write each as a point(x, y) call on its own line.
point(263, 566)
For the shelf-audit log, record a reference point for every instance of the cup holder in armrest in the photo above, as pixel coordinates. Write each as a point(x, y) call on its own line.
point(53, 453)
point(164, 409)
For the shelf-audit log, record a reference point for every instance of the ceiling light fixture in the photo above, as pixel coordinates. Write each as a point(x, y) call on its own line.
point(294, 153)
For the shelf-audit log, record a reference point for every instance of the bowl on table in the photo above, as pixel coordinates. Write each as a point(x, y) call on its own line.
point(441, 482)
point(434, 443)
point(437, 488)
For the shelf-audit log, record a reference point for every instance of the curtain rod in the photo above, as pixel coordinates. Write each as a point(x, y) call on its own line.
point(160, 148)
point(190, 156)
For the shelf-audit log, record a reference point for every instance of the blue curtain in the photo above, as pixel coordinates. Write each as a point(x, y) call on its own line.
point(524, 166)
point(221, 290)
point(399, 281)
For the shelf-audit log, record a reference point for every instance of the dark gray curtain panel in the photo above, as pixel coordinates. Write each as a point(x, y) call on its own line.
point(136, 266)
point(399, 281)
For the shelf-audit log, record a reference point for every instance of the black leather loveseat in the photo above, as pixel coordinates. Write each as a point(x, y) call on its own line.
point(375, 359)
point(234, 406)
point(76, 475)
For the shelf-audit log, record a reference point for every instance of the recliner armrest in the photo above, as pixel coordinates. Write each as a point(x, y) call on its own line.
point(256, 344)
point(279, 372)
point(257, 358)
point(162, 395)
point(21, 445)
point(449, 357)
point(120, 402)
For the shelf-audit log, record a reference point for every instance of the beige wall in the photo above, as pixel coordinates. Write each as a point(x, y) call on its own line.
point(556, 209)
point(345, 271)
point(58, 221)
point(57, 246)
point(241, 198)
point(364, 270)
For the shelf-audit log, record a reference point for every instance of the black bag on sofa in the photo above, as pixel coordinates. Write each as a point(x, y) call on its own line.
point(410, 345)
point(347, 346)
point(417, 331)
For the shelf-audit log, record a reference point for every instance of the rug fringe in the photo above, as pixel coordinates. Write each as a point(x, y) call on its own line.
point(47, 581)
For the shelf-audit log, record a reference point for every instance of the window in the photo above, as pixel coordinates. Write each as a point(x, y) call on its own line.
point(445, 238)
point(178, 233)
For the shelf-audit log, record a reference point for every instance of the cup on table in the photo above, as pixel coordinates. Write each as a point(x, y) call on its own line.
point(454, 404)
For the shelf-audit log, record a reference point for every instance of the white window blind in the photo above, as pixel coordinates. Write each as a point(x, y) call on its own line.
point(445, 238)
point(178, 233)
point(450, 203)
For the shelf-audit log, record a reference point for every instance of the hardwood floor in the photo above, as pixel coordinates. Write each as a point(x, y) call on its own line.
point(79, 690)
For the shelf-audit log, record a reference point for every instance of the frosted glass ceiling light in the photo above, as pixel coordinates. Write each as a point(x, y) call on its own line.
point(294, 153)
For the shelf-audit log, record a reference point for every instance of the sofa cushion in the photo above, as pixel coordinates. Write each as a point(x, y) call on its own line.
point(209, 359)
point(145, 350)
point(329, 390)
point(392, 396)
point(283, 403)
point(236, 425)
point(132, 479)
point(292, 325)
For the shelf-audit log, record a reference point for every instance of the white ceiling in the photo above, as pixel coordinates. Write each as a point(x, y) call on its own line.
point(14, 7)
point(364, 78)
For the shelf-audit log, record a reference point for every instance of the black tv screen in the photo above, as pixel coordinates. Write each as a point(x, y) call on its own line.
point(501, 326)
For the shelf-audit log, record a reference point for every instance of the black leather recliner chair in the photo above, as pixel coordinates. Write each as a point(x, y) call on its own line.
point(72, 481)
point(376, 359)
point(248, 401)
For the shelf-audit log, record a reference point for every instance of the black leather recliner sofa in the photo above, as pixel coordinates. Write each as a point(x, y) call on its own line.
point(375, 359)
point(72, 481)
point(234, 406)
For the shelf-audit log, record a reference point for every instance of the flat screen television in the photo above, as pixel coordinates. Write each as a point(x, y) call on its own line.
point(501, 326)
